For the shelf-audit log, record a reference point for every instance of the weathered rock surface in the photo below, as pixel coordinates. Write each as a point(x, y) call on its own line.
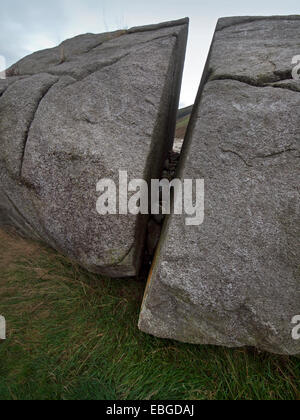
point(235, 280)
point(80, 112)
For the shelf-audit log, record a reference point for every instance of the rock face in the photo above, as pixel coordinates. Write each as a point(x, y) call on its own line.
point(78, 113)
point(235, 280)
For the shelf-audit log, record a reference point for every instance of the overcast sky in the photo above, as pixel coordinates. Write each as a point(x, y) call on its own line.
point(30, 25)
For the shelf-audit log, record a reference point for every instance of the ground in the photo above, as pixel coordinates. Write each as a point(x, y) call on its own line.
point(74, 335)
point(183, 118)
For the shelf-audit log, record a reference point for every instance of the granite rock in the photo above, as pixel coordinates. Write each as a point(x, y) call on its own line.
point(235, 280)
point(78, 113)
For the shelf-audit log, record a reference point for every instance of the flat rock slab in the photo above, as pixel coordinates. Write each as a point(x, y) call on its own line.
point(235, 280)
point(75, 114)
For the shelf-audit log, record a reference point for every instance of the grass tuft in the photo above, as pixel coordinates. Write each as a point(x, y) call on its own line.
point(73, 335)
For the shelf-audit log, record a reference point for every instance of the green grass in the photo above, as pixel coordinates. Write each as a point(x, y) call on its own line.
point(182, 112)
point(183, 122)
point(181, 126)
point(73, 335)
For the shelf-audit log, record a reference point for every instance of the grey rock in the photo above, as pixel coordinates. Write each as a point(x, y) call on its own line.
point(234, 281)
point(255, 50)
point(78, 113)
point(18, 106)
point(224, 23)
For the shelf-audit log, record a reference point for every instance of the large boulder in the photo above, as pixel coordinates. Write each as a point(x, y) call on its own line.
point(78, 113)
point(235, 280)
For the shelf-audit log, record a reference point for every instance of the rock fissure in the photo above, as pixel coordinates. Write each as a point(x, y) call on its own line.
point(271, 155)
point(237, 21)
point(27, 132)
point(9, 85)
point(122, 259)
point(109, 39)
point(102, 66)
point(275, 154)
point(17, 211)
point(236, 154)
point(255, 83)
